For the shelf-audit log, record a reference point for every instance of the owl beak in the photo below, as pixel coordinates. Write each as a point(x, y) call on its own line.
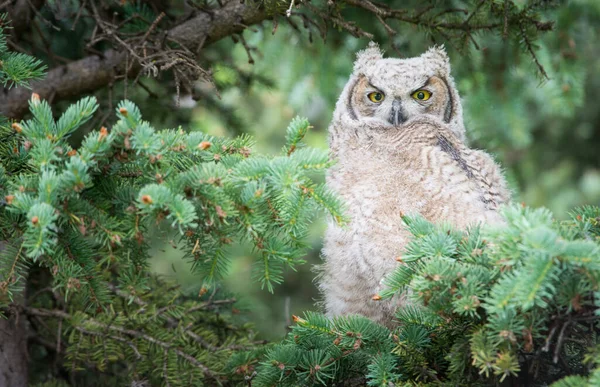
point(397, 116)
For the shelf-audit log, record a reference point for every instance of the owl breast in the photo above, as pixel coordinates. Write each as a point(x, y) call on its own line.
point(378, 186)
point(399, 138)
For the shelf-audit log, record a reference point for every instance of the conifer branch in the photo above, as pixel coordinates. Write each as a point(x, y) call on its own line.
point(128, 332)
point(96, 71)
point(173, 322)
point(485, 323)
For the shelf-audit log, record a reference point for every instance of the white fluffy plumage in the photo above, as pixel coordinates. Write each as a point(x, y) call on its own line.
point(398, 155)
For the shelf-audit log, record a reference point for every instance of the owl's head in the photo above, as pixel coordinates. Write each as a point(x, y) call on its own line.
point(394, 91)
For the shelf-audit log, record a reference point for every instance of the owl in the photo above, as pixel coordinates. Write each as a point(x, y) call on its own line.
point(399, 139)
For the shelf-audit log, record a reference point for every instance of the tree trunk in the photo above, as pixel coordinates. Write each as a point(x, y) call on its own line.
point(14, 360)
point(13, 351)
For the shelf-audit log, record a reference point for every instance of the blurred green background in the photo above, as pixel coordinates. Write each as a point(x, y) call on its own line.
point(545, 132)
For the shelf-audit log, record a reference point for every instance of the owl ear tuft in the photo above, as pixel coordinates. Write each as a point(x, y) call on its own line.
point(367, 57)
point(438, 57)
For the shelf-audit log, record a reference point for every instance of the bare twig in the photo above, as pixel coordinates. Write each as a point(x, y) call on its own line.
point(546, 347)
point(559, 342)
point(288, 13)
point(533, 55)
point(81, 7)
point(479, 5)
point(339, 21)
point(247, 48)
point(153, 26)
point(59, 335)
point(390, 31)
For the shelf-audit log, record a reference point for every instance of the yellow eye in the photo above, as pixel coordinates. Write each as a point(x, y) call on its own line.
point(421, 95)
point(376, 96)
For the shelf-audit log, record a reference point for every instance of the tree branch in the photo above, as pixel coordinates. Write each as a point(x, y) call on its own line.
point(177, 48)
point(124, 331)
point(94, 72)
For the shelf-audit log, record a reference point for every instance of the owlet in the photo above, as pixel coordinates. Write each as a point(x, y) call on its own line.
point(399, 140)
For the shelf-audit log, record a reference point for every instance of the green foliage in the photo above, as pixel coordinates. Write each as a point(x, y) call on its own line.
point(320, 351)
point(117, 183)
point(485, 305)
point(158, 337)
point(140, 16)
point(79, 217)
point(16, 69)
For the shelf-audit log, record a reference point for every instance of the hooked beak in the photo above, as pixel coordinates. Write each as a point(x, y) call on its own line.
point(397, 115)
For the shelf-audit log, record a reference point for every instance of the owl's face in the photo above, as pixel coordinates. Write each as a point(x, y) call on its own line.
point(396, 90)
point(396, 96)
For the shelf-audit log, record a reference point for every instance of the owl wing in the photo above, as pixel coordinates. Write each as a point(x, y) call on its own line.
point(490, 178)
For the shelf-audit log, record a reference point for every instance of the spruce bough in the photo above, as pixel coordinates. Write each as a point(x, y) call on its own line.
point(76, 221)
point(489, 305)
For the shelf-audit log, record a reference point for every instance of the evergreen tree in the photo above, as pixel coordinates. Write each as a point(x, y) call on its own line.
point(77, 220)
point(86, 188)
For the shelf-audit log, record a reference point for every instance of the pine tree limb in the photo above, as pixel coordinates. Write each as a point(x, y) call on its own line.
point(174, 322)
point(96, 71)
point(124, 331)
